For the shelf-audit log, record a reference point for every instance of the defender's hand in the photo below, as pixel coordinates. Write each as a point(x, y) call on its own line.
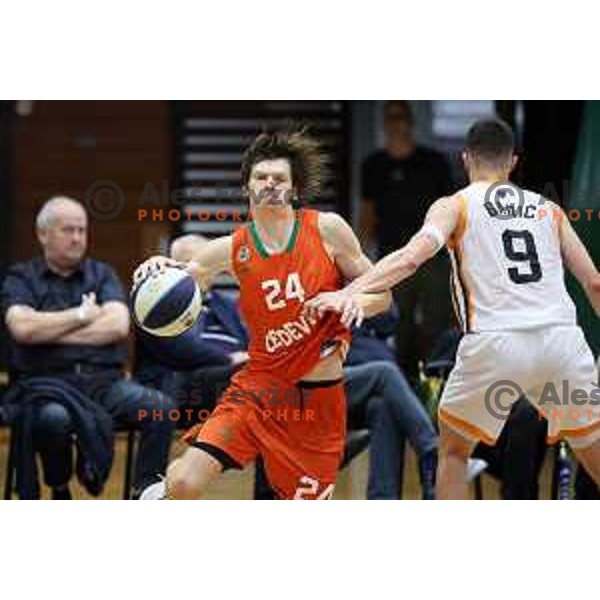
point(343, 303)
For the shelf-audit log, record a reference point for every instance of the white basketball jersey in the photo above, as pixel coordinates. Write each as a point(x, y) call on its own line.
point(507, 269)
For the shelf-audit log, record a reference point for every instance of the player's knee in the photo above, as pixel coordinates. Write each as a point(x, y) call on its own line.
point(456, 452)
point(453, 445)
point(189, 475)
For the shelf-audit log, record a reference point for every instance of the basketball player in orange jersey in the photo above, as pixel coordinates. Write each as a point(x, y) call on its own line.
point(508, 248)
point(287, 404)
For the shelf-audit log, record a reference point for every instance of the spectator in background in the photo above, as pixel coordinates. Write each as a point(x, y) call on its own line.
point(518, 456)
point(380, 398)
point(399, 183)
point(68, 319)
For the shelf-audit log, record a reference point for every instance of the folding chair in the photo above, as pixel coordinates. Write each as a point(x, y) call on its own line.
point(132, 435)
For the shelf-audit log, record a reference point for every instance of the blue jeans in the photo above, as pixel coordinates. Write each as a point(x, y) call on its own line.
point(380, 398)
point(125, 400)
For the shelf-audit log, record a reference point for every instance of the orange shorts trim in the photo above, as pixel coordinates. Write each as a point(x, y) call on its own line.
point(577, 433)
point(470, 430)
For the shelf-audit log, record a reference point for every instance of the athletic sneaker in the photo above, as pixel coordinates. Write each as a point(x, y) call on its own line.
point(156, 491)
point(475, 467)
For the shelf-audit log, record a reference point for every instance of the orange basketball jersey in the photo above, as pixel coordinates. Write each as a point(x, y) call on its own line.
point(273, 289)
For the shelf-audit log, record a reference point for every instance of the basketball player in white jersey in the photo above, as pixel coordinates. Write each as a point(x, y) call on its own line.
point(508, 248)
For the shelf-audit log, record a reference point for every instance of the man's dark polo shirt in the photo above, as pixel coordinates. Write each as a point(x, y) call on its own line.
point(33, 284)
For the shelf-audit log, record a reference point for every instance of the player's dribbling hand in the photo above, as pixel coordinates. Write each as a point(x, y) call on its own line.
point(343, 303)
point(152, 265)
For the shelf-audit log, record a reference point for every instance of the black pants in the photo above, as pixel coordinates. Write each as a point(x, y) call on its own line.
point(424, 304)
point(585, 487)
point(130, 404)
point(518, 456)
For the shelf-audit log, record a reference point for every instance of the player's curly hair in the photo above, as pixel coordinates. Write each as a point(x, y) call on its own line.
point(307, 161)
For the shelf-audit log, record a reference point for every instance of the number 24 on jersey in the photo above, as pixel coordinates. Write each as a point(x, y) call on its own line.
point(276, 298)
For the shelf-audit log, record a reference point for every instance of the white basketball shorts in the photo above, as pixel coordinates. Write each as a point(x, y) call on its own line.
point(553, 367)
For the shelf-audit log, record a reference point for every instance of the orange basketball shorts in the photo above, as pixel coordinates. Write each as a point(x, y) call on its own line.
point(299, 430)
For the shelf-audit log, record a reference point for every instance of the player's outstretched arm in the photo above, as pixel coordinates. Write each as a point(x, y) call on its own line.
point(579, 262)
point(345, 249)
point(212, 258)
point(440, 223)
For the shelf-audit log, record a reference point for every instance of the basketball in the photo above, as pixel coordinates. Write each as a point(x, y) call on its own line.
point(166, 303)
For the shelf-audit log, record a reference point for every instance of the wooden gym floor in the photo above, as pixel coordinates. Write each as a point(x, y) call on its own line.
point(239, 485)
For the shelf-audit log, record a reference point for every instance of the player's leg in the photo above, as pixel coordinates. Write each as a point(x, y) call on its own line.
point(453, 457)
point(303, 448)
point(570, 401)
point(470, 410)
point(223, 442)
point(589, 457)
point(189, 475)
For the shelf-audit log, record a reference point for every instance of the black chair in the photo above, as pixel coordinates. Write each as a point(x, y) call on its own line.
point(130, 456)
point(132, 443)
point(10, 468)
